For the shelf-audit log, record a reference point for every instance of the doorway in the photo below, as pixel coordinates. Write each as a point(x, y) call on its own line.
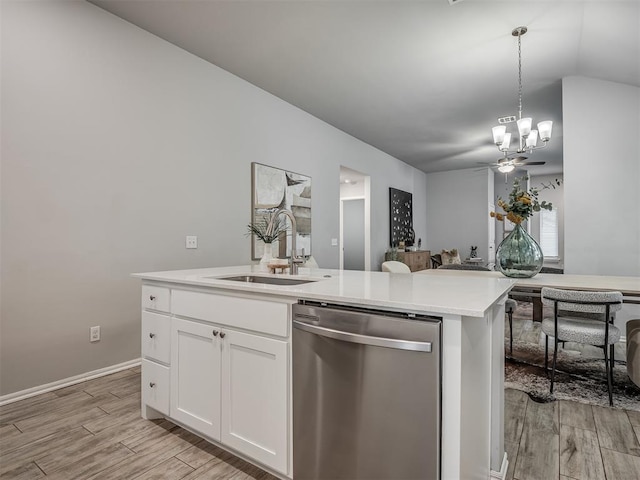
point(355, 225)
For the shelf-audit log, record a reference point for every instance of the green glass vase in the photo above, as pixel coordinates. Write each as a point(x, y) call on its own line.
point(519, 256)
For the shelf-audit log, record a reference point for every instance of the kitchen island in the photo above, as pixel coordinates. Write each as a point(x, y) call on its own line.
point(251, 322)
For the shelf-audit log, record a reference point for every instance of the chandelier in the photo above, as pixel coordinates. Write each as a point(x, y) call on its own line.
point(527, 138)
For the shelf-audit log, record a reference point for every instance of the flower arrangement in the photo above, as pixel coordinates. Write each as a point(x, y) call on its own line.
point(262, 232)
point(523, 203)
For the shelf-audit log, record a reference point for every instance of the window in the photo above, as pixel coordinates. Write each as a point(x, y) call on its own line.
point(549, 232)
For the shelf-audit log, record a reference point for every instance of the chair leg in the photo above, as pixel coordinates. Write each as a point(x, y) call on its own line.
point(546, 353)
point(555, 356)
point(610, 376)
point(510, 313)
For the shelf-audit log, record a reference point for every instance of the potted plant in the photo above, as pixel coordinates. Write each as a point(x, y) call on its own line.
point(267, 235)
point(519, 255)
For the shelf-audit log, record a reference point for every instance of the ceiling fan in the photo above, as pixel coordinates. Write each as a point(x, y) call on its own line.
point(508, 164)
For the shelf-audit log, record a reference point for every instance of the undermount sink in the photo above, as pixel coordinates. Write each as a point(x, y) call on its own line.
point(268, 280)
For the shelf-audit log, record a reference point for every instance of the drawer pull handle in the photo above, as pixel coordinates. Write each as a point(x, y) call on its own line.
point(215, 333)
point(152, 297)
point(222, 334)
point(151, 384)
point(152, 335)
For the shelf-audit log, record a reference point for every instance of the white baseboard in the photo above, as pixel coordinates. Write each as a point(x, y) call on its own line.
point(502, 474)
point(32, 392)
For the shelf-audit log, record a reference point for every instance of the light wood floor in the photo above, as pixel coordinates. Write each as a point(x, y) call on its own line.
point(93, 430)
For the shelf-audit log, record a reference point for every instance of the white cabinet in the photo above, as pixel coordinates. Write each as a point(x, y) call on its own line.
point(155, 386)
point(195, 376)
point(156, 350)
point(232, 387)
point(219, 364)
point(254, 397)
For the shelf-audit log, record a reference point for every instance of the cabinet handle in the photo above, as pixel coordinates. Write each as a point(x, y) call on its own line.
point(222, 334)
point(152, 297)
point(215, 333)
point(151, 335)
point(151, 384)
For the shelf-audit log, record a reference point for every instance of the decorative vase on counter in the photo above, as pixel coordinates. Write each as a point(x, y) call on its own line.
point(519, 256)
point(267, 256)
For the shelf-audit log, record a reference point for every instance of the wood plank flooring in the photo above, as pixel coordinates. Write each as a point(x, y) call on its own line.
point(93, 430)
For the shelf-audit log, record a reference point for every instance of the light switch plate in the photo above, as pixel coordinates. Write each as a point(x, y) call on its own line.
point(191, 241)
point(334, 242)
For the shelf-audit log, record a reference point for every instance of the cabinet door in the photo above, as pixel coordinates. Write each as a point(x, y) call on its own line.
point(155, 386)
point(195, 376)
point(255, 398)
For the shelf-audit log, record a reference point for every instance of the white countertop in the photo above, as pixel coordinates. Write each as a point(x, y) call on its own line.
point(439, 294)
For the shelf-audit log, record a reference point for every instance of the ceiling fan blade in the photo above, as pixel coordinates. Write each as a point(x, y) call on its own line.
point(532, 163)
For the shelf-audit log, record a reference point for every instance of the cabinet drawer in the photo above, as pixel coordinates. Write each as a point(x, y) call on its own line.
point(248, 313)
point(155, 298)
point(420, 260)
point(156, 336)
point(155, 386)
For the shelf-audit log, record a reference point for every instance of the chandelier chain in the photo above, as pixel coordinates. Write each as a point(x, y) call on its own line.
point(519, 76)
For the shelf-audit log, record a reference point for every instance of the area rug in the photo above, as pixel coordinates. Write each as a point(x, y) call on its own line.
point(580, 371)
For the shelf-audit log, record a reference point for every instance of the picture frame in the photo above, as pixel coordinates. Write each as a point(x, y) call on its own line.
point(400, 216)
point(273, 188)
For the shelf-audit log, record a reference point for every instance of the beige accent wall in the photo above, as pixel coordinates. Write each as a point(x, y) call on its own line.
point(115, 146)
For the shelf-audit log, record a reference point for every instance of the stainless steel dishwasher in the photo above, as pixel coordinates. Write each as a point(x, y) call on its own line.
point(366, 394)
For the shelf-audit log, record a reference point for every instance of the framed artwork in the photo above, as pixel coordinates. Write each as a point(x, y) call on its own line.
point(273, 188)
point(401, 215)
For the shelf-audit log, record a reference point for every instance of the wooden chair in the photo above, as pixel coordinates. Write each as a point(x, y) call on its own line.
point(582, 317)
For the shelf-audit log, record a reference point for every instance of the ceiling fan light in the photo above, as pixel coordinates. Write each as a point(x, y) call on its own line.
point(506, 168)
point(504, 146)
point(524, 126)
point(498, 134)
point(544, 130)
point(532, 139)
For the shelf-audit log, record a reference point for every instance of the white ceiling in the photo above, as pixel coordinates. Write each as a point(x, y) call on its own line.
point(421, 80)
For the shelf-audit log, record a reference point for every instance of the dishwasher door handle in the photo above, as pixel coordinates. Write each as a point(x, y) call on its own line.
point(364, 339)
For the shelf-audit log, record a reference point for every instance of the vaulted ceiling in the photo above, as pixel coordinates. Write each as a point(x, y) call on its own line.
point(421, 80)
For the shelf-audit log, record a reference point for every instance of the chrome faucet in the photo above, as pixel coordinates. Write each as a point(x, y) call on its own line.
point(294, 260)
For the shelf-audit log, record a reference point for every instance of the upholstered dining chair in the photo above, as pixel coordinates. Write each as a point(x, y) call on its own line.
point(395, 267)
point(436, 260)
point(582, 317)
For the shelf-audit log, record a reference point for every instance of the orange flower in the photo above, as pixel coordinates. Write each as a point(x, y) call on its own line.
point(512, 217)
point(525, 199)
point(499, 217)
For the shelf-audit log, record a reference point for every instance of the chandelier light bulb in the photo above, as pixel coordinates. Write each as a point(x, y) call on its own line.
point(524, 126)
point(544, 130)
point(532, 139)
point(498, 134)
point(505, 142)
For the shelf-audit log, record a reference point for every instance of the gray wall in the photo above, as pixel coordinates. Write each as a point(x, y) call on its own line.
point(458, 211)
point(115, 145)
point(601, 179)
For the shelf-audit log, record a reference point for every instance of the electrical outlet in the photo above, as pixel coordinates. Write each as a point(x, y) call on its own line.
point(334, 242)
point(191, 241)
point(94, 335)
